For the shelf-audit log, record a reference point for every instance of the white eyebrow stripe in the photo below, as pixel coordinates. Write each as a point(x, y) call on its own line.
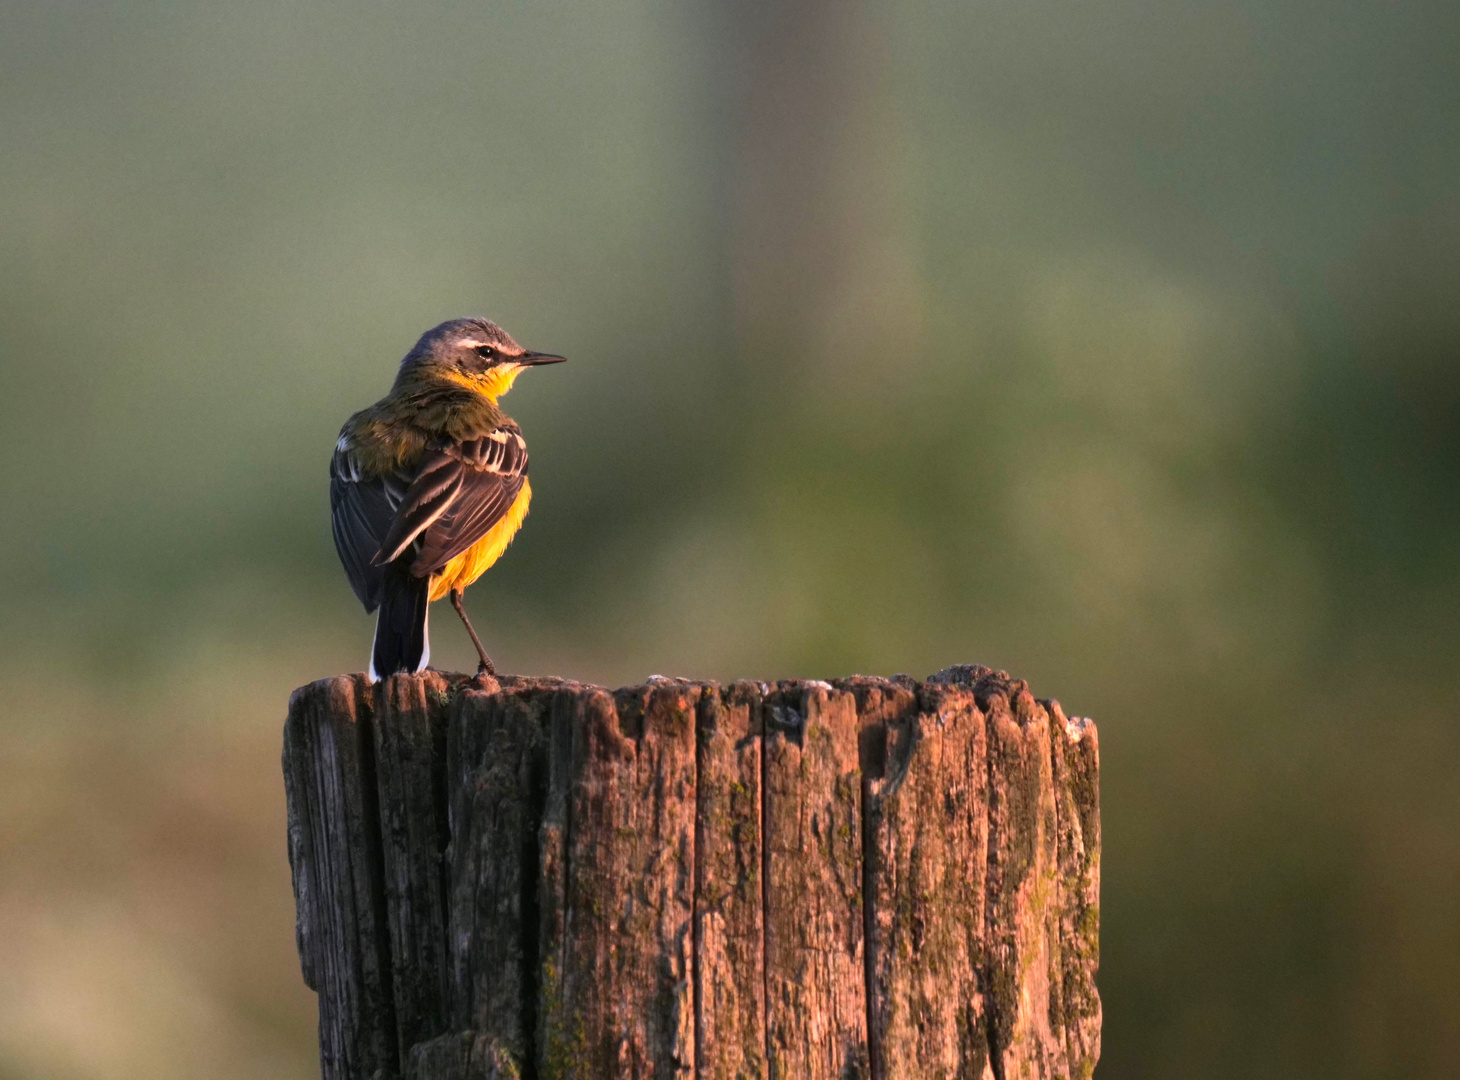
point(475, 342)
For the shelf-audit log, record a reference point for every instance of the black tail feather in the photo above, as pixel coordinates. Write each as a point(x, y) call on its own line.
point(401, 642)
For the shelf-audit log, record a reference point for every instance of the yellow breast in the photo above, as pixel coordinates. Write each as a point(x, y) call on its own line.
point(473, 562)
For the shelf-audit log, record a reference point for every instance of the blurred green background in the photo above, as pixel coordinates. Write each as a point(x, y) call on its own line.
point(1116, 345)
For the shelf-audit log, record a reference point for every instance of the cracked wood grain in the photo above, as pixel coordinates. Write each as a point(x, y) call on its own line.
point(927, 845)
point(495, 779)
point(622, 1003)
point(816, 1008)
point(410, 740)
point(334, 857)
point(1076, 771)
point(729, 932)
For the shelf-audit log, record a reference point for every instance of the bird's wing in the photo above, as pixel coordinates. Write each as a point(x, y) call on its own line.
point(362, 510)
point(460, 492)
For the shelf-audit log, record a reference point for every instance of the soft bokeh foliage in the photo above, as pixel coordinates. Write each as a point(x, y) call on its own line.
point(1114, 345)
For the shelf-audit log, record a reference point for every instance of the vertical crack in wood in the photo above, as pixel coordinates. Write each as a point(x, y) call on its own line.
point(374, 847)
point(996, 1052)
point(408, 769)
point(440, 727)
point(992, 875)
point(1024, 873)
point(872, 769)
point(765, 888)
point(924, 765)
point(570, 837)
point(557, 1038)
point(529, 909)
point(707, 693)
point(991, 1001)
point(626, 1005)
point(337, 879)
point(728, 905)
point(691, 974)
point(1075, 765)
point(814, 952)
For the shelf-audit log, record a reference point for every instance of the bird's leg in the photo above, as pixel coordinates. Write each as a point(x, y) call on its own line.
point(486, 664)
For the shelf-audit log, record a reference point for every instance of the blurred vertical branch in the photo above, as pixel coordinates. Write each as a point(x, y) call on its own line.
point(825, 275)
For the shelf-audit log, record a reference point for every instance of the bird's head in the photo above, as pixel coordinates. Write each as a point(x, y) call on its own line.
point(475, 353)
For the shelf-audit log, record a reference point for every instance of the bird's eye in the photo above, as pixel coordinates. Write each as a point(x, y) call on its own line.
point(486, 352)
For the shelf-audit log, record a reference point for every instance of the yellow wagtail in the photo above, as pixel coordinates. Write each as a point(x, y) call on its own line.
point(429, 484)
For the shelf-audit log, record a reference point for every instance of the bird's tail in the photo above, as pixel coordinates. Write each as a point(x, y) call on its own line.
point(401, 641)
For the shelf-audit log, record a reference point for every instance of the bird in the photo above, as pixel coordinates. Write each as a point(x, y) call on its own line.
point(428, 486)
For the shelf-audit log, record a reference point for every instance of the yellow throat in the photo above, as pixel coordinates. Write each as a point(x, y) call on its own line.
point(492, 383)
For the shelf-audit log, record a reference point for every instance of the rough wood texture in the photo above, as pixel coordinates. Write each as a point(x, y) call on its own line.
point(496, 774)
point(539, 879)
point(410, 740)
point(816, 1006)
point(927, 848)
point(621, 1002)
point(729, 929)
point(1077, 814)
point(334, 854)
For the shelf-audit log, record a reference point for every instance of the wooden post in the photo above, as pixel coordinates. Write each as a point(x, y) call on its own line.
point(868, 879)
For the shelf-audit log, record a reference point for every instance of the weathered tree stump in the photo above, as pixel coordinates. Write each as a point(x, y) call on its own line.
point(534, 878)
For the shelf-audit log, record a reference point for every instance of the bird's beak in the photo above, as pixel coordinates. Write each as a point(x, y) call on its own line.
point(533, 359)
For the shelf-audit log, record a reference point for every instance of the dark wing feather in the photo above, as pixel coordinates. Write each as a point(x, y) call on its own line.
point(490, 473)
point(430, 495)
point(458, 492)
point(362, 510)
